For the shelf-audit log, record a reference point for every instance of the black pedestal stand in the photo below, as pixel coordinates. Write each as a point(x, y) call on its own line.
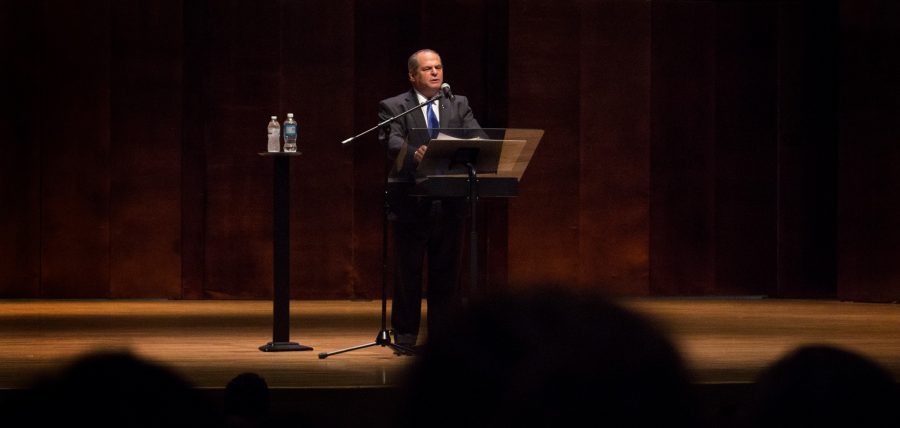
point(281, 324)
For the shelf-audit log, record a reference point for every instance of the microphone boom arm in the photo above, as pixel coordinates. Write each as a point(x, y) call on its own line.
point(436, 96)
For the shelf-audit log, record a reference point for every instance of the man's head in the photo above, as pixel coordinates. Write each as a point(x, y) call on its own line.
point(426, 72)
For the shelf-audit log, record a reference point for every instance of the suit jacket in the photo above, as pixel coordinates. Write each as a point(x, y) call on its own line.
point(401, 146)
point(454, 113)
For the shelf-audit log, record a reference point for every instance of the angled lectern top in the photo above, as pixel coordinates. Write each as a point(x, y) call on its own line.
point(499, 157)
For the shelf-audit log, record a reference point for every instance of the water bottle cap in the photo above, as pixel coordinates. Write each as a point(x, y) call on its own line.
point(274, 117)
point(290, 114)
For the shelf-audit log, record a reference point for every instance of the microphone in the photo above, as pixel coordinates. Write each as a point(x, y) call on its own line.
point(445, 88)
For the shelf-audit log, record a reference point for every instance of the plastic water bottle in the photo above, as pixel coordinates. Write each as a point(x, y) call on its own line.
point(274, 135)
point(290, 134)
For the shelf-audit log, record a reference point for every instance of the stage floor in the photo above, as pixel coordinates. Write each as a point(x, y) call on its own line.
point(723, 340)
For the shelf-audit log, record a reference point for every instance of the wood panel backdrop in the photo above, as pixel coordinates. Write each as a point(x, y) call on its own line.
point(691, 147)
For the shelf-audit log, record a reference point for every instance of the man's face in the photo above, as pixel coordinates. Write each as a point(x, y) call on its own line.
point(427, 79)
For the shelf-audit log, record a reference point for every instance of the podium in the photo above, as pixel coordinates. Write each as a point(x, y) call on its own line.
point(474, 164)
point(281, 312)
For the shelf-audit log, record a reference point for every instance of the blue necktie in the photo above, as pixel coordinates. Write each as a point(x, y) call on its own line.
point(433, 124)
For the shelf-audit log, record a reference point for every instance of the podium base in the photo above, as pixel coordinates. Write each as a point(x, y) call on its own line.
point(284, 347)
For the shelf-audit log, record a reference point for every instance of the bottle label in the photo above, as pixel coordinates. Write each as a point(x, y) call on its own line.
point(274, 132)
point(290, 129)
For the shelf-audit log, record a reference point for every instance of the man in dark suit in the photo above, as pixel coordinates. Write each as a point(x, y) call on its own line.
point(422, 226)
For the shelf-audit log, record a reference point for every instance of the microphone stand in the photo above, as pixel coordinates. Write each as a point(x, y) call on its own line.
point(383, 338)
point(436, 97)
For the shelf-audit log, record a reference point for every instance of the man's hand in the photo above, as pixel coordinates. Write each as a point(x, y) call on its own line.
point(420, 153)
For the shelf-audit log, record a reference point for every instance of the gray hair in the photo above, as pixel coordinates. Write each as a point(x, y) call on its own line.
point(413, 63)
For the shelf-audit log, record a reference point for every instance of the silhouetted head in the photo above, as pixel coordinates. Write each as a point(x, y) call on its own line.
point(247, 397)
point(548, 358)
point(116, 389)
point(822, 385)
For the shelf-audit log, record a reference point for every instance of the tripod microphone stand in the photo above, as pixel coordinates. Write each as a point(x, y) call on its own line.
point(383, 338)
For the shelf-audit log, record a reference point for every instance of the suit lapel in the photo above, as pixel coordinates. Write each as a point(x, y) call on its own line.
point(418, 120)
point(446, 107)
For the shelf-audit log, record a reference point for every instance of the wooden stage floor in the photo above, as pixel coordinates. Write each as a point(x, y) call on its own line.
point(209, 342)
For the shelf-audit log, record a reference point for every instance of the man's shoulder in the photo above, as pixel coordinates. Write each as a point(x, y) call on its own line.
point(399, 98)
point(461, 99)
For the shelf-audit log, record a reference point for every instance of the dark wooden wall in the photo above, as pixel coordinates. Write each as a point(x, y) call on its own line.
point(869, 154)
point(691, 147)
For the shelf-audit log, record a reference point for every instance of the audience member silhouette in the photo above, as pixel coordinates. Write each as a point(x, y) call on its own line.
point(114, 390)
point(823, 386)
point(548, 358)
point(246, 401)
